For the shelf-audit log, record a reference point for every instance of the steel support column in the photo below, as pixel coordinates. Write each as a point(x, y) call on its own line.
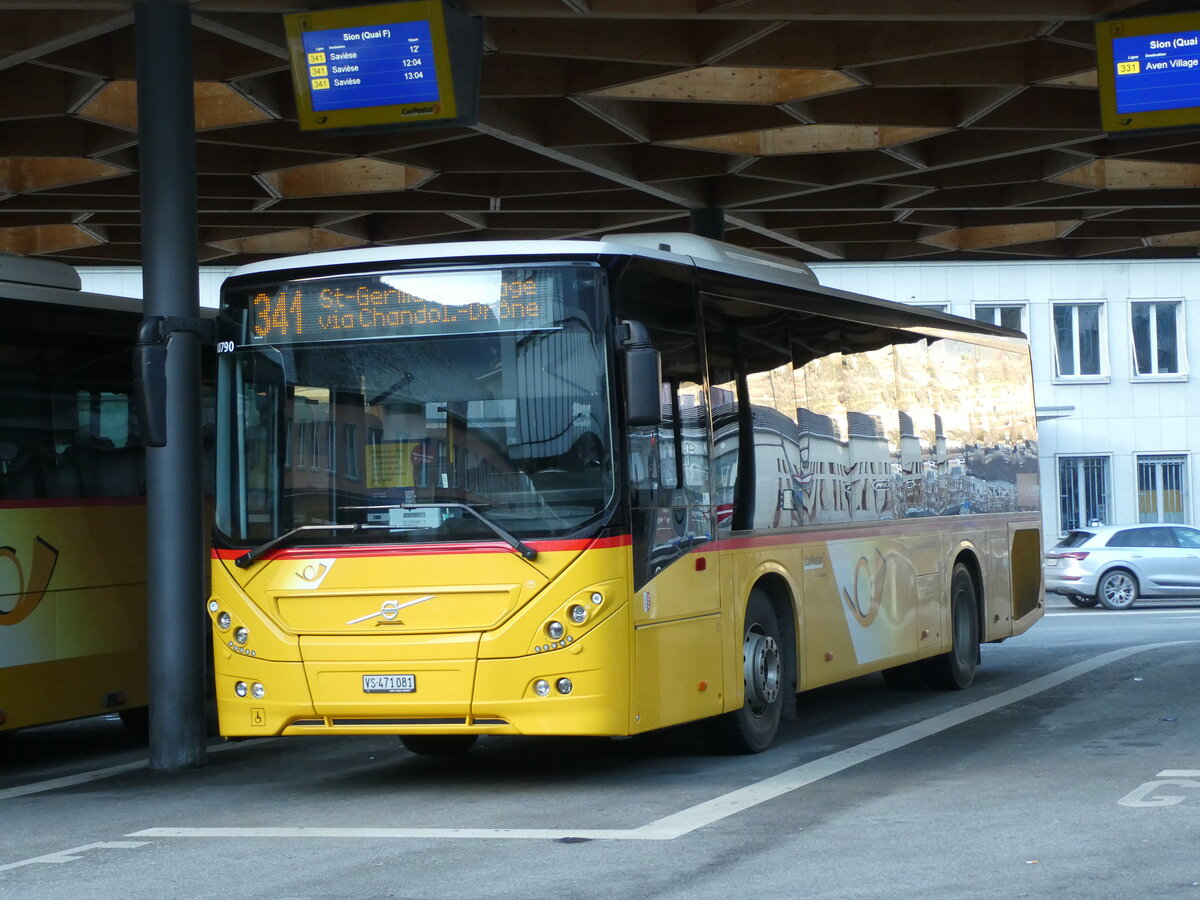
point(175, 529)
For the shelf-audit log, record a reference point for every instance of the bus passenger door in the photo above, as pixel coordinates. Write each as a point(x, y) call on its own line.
point(676, 601)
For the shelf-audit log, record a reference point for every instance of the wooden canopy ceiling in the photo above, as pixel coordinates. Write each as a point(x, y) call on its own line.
point(824, 129)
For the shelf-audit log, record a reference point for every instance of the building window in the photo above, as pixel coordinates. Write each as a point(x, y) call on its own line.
point(935, 307)
point(1082, 491)
point(1005, 315)
point(1161, 488)
point(1077, 339)
point(1156, 346)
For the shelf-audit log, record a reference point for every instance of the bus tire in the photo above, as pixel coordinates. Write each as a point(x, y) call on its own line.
point(752, 728)
point(955, 670)
point(438, 744)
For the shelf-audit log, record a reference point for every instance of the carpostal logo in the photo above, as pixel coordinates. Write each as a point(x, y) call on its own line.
point(429, 109)
point(16, 605)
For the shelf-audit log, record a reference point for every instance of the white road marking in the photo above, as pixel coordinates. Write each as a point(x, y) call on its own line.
point(53, 784)
point(711, 811)
point(1178, 773)
point(66, 856)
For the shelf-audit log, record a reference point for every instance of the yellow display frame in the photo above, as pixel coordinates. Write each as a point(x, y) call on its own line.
point(446, 108)
point(1106, 32)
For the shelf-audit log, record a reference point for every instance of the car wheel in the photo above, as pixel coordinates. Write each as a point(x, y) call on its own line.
point(1117, 589)
point(438, 744)
point(752, 728)
point(1083, 602)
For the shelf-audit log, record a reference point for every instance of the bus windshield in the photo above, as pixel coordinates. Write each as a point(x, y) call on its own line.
point(442, 426)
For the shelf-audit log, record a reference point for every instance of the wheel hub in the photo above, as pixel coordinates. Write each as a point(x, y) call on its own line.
point(762, 670)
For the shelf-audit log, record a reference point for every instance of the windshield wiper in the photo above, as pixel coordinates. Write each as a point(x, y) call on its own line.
point(248, 558)
point(507, 536)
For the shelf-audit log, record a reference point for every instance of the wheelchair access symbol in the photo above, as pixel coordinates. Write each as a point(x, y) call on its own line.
point(17, 606)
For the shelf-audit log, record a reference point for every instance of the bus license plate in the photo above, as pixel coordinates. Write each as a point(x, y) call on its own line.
point(389, 684)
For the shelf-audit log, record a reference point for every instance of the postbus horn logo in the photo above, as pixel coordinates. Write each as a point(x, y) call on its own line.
point(868, 590)
point(29, 592)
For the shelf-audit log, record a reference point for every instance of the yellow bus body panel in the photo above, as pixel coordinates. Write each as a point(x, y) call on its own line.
point(72, 611)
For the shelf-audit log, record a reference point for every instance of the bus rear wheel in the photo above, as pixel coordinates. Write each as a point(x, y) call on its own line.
point(438, 744)
point(955, 670)
point(752, 728)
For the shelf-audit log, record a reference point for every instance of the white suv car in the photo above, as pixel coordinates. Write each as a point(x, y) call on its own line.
point(1116, 564)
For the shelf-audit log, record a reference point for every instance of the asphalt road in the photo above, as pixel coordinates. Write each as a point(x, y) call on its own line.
point(1070, 769)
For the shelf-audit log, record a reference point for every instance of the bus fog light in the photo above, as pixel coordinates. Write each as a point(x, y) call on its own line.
point(257, 691)
point(223, 621)
point(241, 634)
point(213, 605)
point(541, 687)
point(564, 685)
point(555, 630)
point(597, 598)
point(578, 614)
point(240, 689)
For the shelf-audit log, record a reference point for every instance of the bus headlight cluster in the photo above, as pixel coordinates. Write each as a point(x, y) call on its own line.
point(577, 614)
point(564, 686)
point(255, 690)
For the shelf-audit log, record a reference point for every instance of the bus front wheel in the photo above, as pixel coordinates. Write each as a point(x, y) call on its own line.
point(752, 728)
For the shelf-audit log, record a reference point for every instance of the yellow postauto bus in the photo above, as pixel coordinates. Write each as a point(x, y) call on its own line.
point(603, 487)
point(72, 502)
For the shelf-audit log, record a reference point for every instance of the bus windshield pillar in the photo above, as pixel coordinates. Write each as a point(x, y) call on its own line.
point(175, 532)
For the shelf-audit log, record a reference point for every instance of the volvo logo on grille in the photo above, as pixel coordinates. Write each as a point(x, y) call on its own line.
point(389, 610)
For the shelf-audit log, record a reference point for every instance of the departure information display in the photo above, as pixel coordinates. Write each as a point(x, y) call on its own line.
point(406, 64)
point(1148, 72)
point(1157, 71)
point(377, 65)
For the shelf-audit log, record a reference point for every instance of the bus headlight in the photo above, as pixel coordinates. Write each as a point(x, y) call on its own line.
point(241, 634)
point(564, 685)
point(555, 630)
point(240, 689)
point(597, 598)
point(578, 614)
point(223, 621)
point(257, 691)
point(541, 687)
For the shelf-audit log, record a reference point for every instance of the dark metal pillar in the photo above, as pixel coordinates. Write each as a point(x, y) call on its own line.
point(708, 222)
point(175, 509)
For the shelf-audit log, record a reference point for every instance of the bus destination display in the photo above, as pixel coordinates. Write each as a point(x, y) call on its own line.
point(397, 306)
point(1157, 71)
point(375, 65)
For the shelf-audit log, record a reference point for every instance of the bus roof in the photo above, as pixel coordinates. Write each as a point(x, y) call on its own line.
point(48, 281)
point(680, 248)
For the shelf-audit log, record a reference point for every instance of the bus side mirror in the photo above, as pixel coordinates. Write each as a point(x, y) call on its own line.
point(643, 376)
point(150, 381)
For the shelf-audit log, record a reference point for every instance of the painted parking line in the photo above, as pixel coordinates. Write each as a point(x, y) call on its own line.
point(711, 811)
point(53, 784)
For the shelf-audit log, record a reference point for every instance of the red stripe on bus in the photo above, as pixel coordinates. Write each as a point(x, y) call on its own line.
point(344, 552)
point(880, 529)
